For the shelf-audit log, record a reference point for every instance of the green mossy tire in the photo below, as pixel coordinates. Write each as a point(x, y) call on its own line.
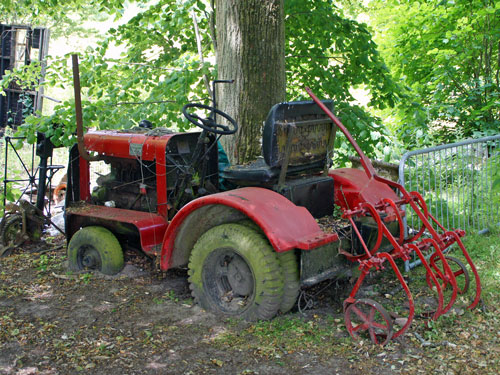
point(100, 245)
point(289, 269)
point(291, 279)
point(254, 291)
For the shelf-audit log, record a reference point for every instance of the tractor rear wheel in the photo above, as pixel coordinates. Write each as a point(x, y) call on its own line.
point(234, 271)
point(95, 248)
point(289, 268)
point(291, 279)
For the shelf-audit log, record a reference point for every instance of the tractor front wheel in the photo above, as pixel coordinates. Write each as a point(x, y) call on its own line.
point(95, 248)
point(234, 271)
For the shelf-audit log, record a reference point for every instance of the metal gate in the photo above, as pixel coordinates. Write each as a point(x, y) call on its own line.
point(30, 173)
point(21, 45)
point(457, 181)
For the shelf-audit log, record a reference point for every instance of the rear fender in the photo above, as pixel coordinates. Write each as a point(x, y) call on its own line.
point(286, 225)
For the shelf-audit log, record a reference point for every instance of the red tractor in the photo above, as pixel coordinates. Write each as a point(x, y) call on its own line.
point(251, 248)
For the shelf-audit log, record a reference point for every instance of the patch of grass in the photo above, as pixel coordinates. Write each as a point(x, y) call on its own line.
point(86, 277)
point(286, 335)
point(170, 295)
point(46, 263)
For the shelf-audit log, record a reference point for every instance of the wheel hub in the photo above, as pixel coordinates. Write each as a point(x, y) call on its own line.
point(89, 258)
point(88, 261)
point(239, 277)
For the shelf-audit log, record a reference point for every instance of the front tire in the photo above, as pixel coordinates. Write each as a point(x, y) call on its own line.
point(234, 271)
point(95, 248)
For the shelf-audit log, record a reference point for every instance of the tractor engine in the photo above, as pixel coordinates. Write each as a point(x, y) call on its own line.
point(130, 184)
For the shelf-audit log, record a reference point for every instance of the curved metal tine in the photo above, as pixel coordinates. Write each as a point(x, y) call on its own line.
point(380, 225)
point(473, 268)
point(393, 205)
point(407, 291)
point(439, 310)
point(449, 276)
point(422, 211)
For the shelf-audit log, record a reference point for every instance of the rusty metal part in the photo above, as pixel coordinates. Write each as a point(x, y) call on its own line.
point(11, 233)
point(322, 264)
point(24, 222)
point(78, 112)
point(385, 169)
point(149, 227)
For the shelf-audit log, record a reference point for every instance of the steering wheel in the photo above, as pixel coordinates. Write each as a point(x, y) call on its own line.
point(209, 124)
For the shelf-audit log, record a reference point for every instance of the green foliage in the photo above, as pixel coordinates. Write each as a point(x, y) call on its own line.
point(332, 54)
point(485, 251)
point(446, 53)
point(42, 263)
point(26, 77)
point(162, 70)
point(60, 16)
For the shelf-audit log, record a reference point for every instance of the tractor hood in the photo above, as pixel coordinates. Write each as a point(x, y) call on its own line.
point(128, 144)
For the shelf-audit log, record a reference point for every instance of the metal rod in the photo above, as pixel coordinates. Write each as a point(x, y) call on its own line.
point(440, 209)
point(78, 111)
point(5, 176)
point(464, 214)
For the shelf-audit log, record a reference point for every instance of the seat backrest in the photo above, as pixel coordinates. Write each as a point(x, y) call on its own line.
point(297, 134)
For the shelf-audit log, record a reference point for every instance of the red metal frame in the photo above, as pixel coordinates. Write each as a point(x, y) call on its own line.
point(362, 193)
point(273, 213)
point(151, 227)
point(116, 143)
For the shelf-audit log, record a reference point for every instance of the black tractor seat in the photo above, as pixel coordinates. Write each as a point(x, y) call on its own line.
point(296, 139)
point(297, 142)
point(259, 173)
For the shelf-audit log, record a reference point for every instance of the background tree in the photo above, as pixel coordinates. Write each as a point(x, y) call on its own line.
point(334, 54)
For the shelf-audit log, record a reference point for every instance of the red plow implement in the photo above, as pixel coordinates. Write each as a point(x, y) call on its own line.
point(365, 194)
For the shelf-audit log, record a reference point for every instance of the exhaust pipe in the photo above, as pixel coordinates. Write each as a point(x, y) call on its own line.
point(78, 112)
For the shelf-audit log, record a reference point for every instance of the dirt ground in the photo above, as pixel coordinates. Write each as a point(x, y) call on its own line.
point(144, 322)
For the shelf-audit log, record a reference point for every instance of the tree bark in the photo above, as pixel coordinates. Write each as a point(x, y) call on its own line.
point(250, 50)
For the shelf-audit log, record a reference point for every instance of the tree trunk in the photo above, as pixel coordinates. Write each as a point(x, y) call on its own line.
point(250, 50)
